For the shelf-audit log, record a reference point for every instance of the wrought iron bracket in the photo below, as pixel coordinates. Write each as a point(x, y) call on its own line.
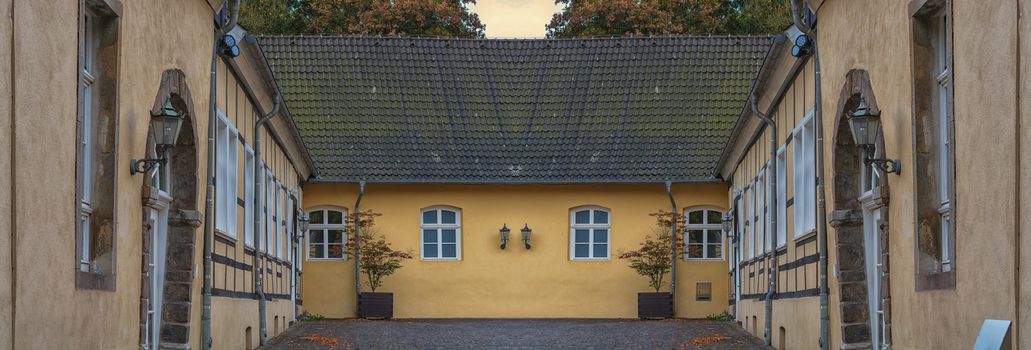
point(137, 166)
point(890, 166)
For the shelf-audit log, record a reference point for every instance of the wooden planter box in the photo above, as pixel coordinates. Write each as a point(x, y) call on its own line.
point(654, 305)
point(376, 305)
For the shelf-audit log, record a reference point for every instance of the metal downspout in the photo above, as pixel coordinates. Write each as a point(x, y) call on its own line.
point(209, 192)
point(771, 186)
point(673, 248)
point(259, 203)
point(357, 255)
point(821, 199)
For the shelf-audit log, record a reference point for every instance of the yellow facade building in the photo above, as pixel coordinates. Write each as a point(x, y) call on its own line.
point(919, 253)
point(910, 238)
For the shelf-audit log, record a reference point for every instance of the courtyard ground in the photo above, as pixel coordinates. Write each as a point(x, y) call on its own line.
point(455, 334)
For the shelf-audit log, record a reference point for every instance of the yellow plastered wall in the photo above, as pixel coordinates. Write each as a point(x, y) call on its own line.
point(490, 282)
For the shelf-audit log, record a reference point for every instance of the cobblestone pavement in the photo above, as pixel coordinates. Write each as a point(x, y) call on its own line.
point(454, 334)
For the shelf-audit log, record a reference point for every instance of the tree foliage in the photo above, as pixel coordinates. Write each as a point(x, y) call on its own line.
point(377, 258)
point(654, 258)
point(587, 18)
point(438, 18)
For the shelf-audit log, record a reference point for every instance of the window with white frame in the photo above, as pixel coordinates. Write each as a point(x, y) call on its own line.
point(226, 179)
point(290, 227)
point(741, 226)
point(762, 234)
point(248, 200)
point(935, 198)
point(327, 234)
point(782, 198)
point(96, 134)
point(280, 228)
point(269, 217)
point(704, 231)
point(804, 172)
point(750, 220)
point(441, 233)
point(589, 234)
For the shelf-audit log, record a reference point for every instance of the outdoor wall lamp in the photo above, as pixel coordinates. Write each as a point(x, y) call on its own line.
point(303, 222)
point(865, 125)
point(504, 235)
point(164, 127)
point(526, 236)
point(728, 225)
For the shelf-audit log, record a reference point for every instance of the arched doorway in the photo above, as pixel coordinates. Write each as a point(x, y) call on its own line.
point(170, 222)
point(860, 220)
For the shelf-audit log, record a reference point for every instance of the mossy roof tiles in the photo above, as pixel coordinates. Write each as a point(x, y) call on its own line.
point(417, 110)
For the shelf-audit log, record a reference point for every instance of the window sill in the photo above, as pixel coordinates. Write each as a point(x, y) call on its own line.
point(705, 259)
point(936, 281)
point(94, 281)
point(231, 239)
point(440, 259)
point(590, 259)
point(326, 259)
point(806, 237)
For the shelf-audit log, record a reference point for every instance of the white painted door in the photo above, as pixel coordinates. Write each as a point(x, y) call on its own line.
point(872, 221)
point(158, 253)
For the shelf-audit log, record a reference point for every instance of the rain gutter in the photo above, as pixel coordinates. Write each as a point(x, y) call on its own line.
point(209, 193)
point(821, 199)
point(259, 203)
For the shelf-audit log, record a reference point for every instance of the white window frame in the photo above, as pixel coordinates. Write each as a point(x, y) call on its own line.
point(269, 209)
point(289, 209)
point(280, 226)
point(325, 227)
point(804, 172)
point(762, 224)
point(750, 219)
point(439, 227)
point(782, 197)
point(706, 226)
point(87, 144)
point(944, 145)
point(741, 226)
point(249, 197)
point(591, 226)
point(226, 176)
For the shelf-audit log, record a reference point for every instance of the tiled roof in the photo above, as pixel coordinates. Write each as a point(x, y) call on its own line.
point(614, 110)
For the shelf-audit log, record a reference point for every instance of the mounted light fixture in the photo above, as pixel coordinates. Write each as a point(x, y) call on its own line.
point(526, 236)
point(164, 127)
point(728, 224)
point(865, 124)
point(504, 235)
point(303, 221)
point(803, 46)
point(227, 46)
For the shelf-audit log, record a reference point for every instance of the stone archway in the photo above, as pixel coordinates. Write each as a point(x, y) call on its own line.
point(853, 201)
point(183, 220)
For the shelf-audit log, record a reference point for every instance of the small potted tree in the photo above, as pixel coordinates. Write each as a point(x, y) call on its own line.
point(654, 259)
point(376, 260)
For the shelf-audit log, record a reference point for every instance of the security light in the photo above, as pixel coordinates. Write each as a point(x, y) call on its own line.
point(228, 46)
point(803, 46)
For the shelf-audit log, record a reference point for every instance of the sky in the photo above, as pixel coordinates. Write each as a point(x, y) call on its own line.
point(515, 18)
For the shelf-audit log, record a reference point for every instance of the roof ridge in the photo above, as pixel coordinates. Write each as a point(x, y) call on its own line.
point(421, 37)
